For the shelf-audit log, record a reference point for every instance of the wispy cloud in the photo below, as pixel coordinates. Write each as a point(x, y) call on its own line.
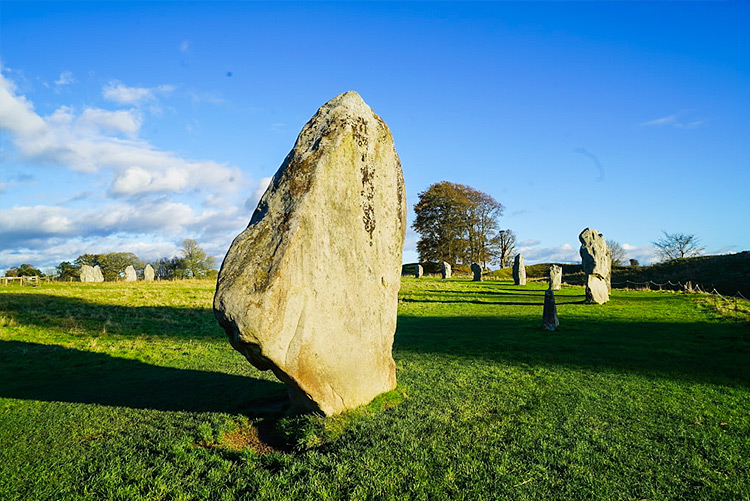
point(122, 94)
point(185, 45)
point(66, 78)
point(594, 159)
point(674, 120)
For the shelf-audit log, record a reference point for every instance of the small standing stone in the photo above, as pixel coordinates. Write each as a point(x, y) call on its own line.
point(477, 270)
point(148, 273)
point(445, 270)
point(519, 270)
point(130, 275)
point(418, 271)
point(555, 277)
point(549, 316)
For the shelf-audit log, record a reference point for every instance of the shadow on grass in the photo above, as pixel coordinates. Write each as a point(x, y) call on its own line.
point(707, 352)
point(72, 314)
point(477, 301)
point(32, 371)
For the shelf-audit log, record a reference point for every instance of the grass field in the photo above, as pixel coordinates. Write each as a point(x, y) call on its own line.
point(116, 391)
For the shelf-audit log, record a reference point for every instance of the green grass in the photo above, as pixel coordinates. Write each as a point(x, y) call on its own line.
point(131, 391)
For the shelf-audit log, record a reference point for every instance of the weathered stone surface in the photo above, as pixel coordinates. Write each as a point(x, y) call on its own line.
point(597, 265)
point(549, 315)
point(555, 277)
point(130, 275)
point(91, 274)
point(445, 270)
point(309, 289)
point(418, 271)
point(519, 270)
point(148, 273)
point(477, 271)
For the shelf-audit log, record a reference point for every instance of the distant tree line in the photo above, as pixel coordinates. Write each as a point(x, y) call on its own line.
point(192, 263)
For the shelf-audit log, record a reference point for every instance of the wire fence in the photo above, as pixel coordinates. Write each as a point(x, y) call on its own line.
point(679, 286)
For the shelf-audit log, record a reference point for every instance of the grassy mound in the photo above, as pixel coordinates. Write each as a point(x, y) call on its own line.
point(131, 391)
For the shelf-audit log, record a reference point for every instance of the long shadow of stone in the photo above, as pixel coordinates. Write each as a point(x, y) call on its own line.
point(86, 317)
point(477, 301)
point(703, 352)
point(32, 371)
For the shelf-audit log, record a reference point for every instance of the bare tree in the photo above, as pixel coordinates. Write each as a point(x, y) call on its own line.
point(503, 247)
point(616, 252)
point(677, 245)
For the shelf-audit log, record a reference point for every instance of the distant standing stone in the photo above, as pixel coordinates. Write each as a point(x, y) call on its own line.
point(555, 277)
point(597, 265)
point(309, 290)
point(477, 271)
point(549, 316)
point(445, 270)
point(418, 271)
point(130, 275)
point(519, 270)
point(148, 273)
point(87, 273)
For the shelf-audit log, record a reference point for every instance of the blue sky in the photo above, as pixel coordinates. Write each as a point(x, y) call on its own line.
point(131, 126)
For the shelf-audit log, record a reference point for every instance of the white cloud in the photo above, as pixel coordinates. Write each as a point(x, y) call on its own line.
point(185, 45)
point(122, 94)
point(66, 78)
point(126, 122)
point(88, 143)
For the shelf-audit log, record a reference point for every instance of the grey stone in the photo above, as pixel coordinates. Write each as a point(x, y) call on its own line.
point(549, 315)
point(91, 274)
point(519, 270)
point(418, 271)
point(477, 271)
point(148, 273)
point(130, 275)
point(445, 270)
point(597, 265)
point(555, 277)
point(337, 203)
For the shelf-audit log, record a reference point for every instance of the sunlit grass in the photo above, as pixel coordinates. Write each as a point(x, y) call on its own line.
point(131, 391)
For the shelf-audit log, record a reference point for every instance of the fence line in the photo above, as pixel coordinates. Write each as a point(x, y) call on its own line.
point(686, 287)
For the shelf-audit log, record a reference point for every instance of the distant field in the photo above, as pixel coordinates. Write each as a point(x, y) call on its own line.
point(131, 391)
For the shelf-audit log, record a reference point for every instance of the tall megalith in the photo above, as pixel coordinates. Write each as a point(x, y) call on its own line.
point(445, 270)
point(519, 270)
point(91, 273)
point(597, 265)
point(555, 277)
point(148, 273)
point(309, 289)
point(130, 275)
point(477, 271)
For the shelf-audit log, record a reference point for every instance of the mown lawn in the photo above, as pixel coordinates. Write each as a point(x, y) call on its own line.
point(116, 391)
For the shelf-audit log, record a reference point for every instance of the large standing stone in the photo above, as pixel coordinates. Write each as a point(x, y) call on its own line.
point(477, 271)
point(445, 270)
point(597, 265)
point(91, 274)
point(418, 271)
point(309, 289)
point(519, 270)
point(130, 275)
point(549, 315)
point(555, 277)
point(148, 273)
